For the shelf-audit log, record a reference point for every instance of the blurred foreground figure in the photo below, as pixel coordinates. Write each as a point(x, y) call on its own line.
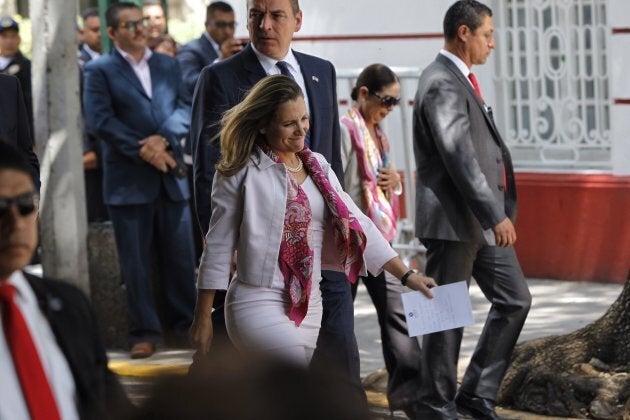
point(254, 389)
point(52, 362)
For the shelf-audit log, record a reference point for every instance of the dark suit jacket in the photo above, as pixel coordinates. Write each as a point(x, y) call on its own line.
point(83, 57)
point(90, 142)
point(460, 158)
point(99, 394)
point(193, 57)
point(224, 84)
point(14, 125)
point(20, 67)
point(120, 113)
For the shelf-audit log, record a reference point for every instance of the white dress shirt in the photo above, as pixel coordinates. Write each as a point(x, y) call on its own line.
point(459, 63)
point(93, 54)
point(269, 65)
point(13, 405)
point(4, 61)
point(215, 45)
point(141, 68)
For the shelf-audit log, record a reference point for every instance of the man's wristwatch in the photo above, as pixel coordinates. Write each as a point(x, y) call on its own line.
point(405, 276)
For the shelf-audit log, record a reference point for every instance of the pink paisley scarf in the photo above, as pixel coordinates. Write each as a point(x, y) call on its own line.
point(380, 206)
point(296, 249)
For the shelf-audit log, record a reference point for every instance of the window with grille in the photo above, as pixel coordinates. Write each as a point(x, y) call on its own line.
point(552, 80)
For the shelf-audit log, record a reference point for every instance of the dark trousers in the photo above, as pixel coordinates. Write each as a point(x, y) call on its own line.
point(198, 236)
point(337, 351)
point(401, 353)
point(163, 227)
point(96, 208)
point(498, 274)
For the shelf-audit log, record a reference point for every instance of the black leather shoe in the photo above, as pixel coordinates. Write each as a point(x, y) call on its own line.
point(411, 411)
point(475, 407)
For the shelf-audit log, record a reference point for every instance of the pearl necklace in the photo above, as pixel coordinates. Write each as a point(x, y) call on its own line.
point(295, 169)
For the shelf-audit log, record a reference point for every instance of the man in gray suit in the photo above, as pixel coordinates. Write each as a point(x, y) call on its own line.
point(466, 205)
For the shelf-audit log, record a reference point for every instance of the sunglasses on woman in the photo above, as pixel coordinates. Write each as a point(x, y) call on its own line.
point(26, 204)
point(387, 101)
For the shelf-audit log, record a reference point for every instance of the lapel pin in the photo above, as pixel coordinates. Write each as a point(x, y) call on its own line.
point(315, 78)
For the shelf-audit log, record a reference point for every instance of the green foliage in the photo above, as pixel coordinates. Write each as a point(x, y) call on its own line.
point(184, 31)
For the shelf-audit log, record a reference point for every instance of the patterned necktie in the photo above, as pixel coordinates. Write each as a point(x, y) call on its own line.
point(475, 84)
point(28, 366)
point(284, 69)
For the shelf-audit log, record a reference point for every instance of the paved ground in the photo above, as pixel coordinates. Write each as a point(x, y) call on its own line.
point(558, 308)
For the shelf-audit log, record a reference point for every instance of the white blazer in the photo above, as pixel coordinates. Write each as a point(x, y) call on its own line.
point(248, 216)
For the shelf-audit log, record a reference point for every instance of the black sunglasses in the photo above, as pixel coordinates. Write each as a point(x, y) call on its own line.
point(387, 101)
point(26, 204)
point(135, 25)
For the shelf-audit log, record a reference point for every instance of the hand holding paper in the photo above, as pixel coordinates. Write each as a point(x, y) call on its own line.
point(449, 308)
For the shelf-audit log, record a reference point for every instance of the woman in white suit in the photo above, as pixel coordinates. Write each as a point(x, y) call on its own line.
point(281, 208)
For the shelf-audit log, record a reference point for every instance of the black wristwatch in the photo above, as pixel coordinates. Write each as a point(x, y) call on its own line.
point(405, 276)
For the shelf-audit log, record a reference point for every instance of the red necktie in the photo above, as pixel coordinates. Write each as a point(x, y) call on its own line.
point(35, 387)
point(475, 84)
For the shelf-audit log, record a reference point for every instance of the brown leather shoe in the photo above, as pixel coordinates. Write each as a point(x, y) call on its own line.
point(142, 350)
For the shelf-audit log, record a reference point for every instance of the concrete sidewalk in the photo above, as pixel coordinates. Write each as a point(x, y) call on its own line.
point(558, 308)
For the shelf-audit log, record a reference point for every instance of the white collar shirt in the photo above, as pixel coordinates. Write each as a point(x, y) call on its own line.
point(215, 44)
point(459, 63)
point(269, 65)
point(141, 69)
point(5, 61)
point(93, 54)
point(55, 365)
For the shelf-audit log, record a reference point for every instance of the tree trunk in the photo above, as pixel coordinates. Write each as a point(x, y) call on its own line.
point(8, 7)
point(582, 374)
point(57, 110)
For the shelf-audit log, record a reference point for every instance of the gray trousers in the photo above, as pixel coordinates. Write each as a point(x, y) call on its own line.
point(498, 273)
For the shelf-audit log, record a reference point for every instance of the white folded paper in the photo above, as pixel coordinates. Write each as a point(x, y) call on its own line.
point(449, 308)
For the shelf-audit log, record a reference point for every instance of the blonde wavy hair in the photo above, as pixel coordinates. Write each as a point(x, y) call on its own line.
point(241, 125)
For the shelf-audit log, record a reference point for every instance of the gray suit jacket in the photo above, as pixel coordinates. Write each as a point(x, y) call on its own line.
point(460, 158)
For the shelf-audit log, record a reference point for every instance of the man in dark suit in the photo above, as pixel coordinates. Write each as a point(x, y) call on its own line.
point(14, 126)
point(57, 317)
point(135, 103)
point(466, 205)
point(14, 63)
point(90, 49)
point(215, 44)
point(271, 25)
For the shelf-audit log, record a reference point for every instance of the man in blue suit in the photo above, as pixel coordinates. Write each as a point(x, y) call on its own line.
point(215, 44)
point(271, 25)
point(135, 103)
